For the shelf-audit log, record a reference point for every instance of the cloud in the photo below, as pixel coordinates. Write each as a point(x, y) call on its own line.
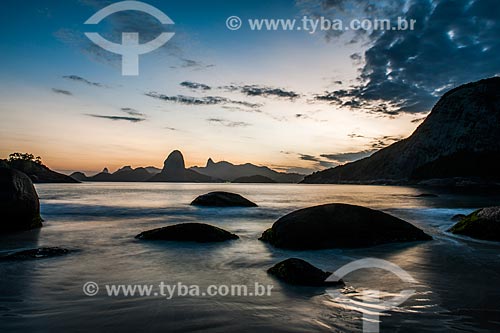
point(114, 118)
point(77, 78)
point(194, 64)
point(62, 91)
point(256, 90)
point(454, 42)
point(195, 85)
point(341, 158)
point(384, 141)
point(311, 158)
point(228, 123)
point(206, 100)
point(171, 128)
point(132, 112)
point(418, 120)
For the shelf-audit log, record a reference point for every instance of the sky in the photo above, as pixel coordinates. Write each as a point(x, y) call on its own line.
point(295, 101)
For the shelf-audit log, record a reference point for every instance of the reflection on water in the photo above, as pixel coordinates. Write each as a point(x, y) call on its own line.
point(457, 278)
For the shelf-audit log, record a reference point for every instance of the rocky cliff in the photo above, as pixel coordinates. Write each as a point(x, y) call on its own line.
point(463, 125)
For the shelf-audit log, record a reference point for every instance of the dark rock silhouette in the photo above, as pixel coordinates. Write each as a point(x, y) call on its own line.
point(19, 204)
point(300, 272)
point(38, 172)
point(188, 232)
point(482, 224)
point(174, 170)
point(254, 179)
point(40, 253)
point(222, 199)
point(339, 226)
point(229, 172)
point(463, 127)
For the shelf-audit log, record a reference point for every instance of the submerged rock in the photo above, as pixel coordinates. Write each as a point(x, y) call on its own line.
point(222, 199)
point(339, 226)
point(457, 217)
point(188, 232)
point(300, 272)
point(40, 253)
point(19, 204)
point(482, 224)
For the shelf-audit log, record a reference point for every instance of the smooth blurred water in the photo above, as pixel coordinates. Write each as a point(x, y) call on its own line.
point(458, 278)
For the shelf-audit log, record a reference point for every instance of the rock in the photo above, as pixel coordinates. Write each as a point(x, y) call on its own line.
point(40, 173)
point(174, 170)
point(458, 217)
point(188, 232)
point(300, 272)
point(482, 224)
point(40, 253)
point(463, 126)
point(19, 204)
point(339, 226)
point(222, 199)
point(257, 179)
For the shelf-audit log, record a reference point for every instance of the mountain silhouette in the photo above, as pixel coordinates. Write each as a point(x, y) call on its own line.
point(459, 139)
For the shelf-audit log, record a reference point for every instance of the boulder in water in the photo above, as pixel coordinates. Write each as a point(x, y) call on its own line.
point(339, 226)
point(300, 272)
point(19, 204)
point(188, 232)
point(222, 199)
point(482, 224)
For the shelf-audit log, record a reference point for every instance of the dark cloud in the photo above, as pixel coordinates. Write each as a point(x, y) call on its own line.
point(62, 91)
point(194, 64)
point(311, 158)
point(454, 42)
point(195, 85)
point(132, 112)
point(206, 100)
point(228, 123)
point(418, 120)
point(341, 158)
point(114, 118)
point(319, 162)
point(82, 80)
point(171, 128)
point(256, 90)
point(384, 141)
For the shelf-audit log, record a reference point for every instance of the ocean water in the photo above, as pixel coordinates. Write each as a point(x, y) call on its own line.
point(457, 289)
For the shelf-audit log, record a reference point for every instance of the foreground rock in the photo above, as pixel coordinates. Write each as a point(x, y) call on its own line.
point(40, 253)
point(19, 205)
point(222, 199)
point(188, 232)
point(339, 226)
point(482, 224)
point(300, 272)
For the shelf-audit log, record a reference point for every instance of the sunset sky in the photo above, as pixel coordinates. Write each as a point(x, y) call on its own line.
point(291, 100)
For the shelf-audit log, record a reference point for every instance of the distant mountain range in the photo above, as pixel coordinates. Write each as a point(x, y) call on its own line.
point(458, 143)
point(231, 172)
point(174, 170)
